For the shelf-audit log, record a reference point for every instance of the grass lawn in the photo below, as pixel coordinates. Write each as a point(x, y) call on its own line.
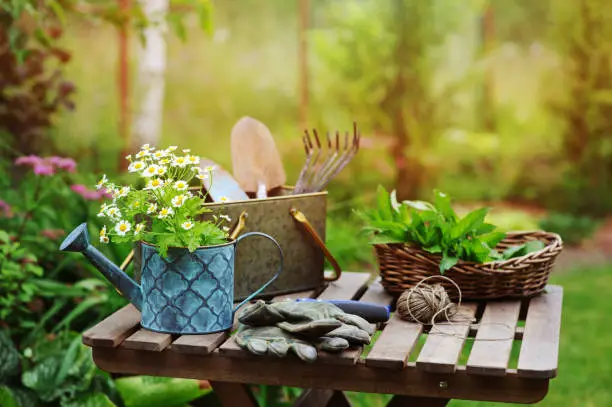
point(585, 360)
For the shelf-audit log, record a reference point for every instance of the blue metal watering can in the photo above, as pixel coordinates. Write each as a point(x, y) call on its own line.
point(182, 293)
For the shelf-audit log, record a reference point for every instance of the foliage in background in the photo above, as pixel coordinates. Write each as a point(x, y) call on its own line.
point(583, 37)
point(380, 64)
point(573, 229)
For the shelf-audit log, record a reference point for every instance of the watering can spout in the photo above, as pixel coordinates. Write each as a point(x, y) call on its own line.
point(78, 241)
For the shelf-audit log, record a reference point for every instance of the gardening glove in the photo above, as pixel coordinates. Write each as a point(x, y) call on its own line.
point(305, 318)
point(274, 341)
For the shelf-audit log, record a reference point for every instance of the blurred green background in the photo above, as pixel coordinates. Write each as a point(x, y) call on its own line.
point(495, 102)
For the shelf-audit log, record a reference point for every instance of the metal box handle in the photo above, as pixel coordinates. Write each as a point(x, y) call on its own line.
point(301, 218)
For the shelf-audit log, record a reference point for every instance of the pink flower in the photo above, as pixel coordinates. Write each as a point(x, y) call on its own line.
point(28, 160)
point(79, 188)
point(67, 164)
point(48, 165)
point(5, 209)
point(44, 169)
point(89, 194)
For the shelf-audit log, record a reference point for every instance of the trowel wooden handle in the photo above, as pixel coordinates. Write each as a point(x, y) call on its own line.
point(300, 217)
point(127, 261)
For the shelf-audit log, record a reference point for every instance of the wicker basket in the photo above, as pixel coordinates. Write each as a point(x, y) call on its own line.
point(403, 266)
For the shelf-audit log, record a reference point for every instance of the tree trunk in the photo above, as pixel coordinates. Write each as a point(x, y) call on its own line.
point(304, 11)
point(150, 76)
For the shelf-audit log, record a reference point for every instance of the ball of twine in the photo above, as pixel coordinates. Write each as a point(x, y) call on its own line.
point(427, 304)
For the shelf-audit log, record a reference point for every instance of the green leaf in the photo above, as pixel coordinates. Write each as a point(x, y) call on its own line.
point(447, 262)
point(9, 358)
point(433, 249)
point(89, 400)
point(145, 391)
point(492, 239)
point(7, 398)
point(485, 228)
point(469, 223)
point(443, 204)
point(385, 208)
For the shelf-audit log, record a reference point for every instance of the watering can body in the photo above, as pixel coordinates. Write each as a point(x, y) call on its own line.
point(182, 293)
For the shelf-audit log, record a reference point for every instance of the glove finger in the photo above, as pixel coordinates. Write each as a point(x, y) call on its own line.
point(278, 348)
point(259, 314)
point(333, 344)
point(304, 351)
point(257, 346)
point(357, 321)
point(312, 329)
point(351, 333)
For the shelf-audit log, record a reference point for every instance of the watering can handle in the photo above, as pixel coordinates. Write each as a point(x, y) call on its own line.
point(274, 277)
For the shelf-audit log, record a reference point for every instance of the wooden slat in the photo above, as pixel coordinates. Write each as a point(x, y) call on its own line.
point(376, 294)
point(539, 353)
point(292, 372)
point(111, 331)
point(493, 344)
point(147, 340)
point(394, 344)
point(347, 287)
point(443, 347)
point(198, 344)
point(518, 331)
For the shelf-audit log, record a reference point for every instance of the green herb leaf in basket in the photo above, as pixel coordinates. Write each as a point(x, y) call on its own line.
point(436, 228)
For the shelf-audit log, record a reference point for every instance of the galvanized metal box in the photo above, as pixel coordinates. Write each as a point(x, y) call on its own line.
point(257, 259)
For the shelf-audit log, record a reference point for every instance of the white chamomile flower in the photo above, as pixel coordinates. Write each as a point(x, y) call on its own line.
point(180, 161)
point(224, 199)
point(145, 147)
point(210, 168)
point(151, 170)
point(136, 166)
point(161, 170)
point(139, 228)
point(165, 212)
point(122, 227)
point(142, 154)
point(171, 148)
point(102, 212)
point(202, 176)
point(164, 161)
point(102, 182)
point(152, 208)
point(193, 159)
point(159, 154)
point(225, 217)
point(179, 200)
point(128, 157)
point(187, 225)
point(113, 212)
point(180, 185)
point(155, 183)
point(103, 231)
point(225, 229)
point(122, 192)
point(104, 239)
point(186, 150)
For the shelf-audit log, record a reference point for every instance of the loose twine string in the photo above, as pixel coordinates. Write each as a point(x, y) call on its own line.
point(428, 304)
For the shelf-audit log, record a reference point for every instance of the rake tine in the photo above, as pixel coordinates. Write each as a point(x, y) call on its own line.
point(330, 162)
point(345, 159)
point(333, 164)
point(308, 149)
point(312, 165)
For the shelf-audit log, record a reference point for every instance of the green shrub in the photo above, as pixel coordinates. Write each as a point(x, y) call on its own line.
point(573, 229)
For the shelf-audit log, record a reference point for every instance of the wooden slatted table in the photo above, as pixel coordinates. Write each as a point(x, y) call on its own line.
point(418, 368)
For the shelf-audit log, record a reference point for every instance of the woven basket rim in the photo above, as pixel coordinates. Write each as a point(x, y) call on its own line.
point(497, 265)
